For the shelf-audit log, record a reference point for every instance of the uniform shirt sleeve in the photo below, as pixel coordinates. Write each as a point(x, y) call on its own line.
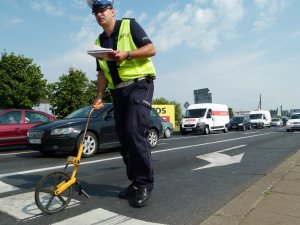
point(139, 36)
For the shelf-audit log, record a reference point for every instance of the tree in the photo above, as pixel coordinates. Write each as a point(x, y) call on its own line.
point(73, 91)
point(163, 101)
point(21, 82)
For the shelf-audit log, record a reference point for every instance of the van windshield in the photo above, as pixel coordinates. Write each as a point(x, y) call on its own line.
point(194, 113)
point(255, 116)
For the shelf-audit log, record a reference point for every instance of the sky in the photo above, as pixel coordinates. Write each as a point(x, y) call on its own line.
point(238, 49)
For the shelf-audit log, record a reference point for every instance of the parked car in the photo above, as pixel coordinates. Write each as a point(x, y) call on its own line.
point(167, 128)
point(240, 123)
point(65, 135)
point(276, 122)
point(293, 123)
point(14, 124)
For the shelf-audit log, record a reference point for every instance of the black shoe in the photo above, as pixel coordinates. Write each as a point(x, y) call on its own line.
point(127, 192)
point(142, 196)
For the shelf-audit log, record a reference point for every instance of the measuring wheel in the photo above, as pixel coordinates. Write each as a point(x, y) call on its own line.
point(45, 197)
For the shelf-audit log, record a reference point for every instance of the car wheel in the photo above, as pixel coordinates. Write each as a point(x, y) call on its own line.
point(250, 127)
point(90, 144)
point(167, 133)
point(153, 137)
point(225, 130)
point(244, 128)
point(206, 130)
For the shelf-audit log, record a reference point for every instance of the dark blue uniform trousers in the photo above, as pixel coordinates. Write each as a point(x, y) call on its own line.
point(132, 106)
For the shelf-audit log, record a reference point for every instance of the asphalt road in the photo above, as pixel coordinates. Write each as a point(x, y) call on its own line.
point(195, 175)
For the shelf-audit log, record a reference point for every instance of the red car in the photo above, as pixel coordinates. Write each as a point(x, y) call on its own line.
point(14, 124)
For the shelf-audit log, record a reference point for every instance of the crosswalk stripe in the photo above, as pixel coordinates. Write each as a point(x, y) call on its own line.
point(6, 187)
point(22, 206)
point(101, 216)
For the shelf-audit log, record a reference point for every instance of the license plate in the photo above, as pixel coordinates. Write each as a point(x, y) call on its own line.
point(35, 141)
point(234, 126)
point(189, 129)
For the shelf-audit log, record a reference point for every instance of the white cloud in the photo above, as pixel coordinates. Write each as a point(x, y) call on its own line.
point(46, 7)
point(295, 34)
point(268, 12)
point(195, 25)
point(13, 21)
point(76, 57)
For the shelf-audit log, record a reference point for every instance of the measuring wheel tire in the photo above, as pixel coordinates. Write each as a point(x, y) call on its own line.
point(45, 198)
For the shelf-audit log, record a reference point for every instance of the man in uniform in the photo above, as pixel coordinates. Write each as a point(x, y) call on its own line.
point(129, 74)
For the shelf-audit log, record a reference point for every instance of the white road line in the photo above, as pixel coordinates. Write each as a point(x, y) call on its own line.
point(103, 217)
point(208, 143)
point(17, 153)
point(119, 157)
point(6, 187)
point(22, 206)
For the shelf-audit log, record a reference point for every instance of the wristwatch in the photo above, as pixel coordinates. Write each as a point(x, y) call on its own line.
point(129, 56)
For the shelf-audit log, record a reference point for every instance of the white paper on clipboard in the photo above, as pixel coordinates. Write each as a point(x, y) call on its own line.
point(99, 52)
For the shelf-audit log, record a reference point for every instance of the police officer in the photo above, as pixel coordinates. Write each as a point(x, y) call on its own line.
point(129, 74)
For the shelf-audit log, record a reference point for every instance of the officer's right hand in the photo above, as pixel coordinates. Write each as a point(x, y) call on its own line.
point(98, 104)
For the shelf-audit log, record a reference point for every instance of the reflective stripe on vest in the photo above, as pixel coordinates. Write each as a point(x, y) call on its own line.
point(128, 70)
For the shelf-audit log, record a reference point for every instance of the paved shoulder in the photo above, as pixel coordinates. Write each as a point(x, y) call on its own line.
point(274, 199)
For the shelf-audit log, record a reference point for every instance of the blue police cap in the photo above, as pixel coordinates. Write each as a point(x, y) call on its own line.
point(99, 4)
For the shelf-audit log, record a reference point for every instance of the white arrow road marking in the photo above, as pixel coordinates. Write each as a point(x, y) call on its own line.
point(219, 159)
point(6, 187)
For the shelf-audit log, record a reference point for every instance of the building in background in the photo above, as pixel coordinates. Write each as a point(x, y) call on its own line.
point(202, 96)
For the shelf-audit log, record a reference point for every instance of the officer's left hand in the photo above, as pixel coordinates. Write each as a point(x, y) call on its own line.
point(118, 55)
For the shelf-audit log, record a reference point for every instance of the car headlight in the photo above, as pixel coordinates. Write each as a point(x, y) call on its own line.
point(240, 124)
point(61, 131)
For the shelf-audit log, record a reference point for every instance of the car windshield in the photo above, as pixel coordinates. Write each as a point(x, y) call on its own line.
point(83, 113)
point(237, 119)
point(295, 116)
point(195, 113)
point(255, 116)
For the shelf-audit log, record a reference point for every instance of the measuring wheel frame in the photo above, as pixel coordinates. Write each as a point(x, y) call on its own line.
point(57, 187)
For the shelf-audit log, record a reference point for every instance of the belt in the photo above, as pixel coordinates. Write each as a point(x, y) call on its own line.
point(127, 83)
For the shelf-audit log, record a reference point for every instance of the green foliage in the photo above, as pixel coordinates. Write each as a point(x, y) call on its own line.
point(163, 101)
point(73, 91)
point(107, 95)
point(22, 84)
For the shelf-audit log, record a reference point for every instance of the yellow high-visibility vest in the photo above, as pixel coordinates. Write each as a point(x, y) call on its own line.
point(128, 69)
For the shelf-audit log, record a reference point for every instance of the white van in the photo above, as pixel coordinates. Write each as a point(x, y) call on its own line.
point(260, 118)
point(204, 118)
